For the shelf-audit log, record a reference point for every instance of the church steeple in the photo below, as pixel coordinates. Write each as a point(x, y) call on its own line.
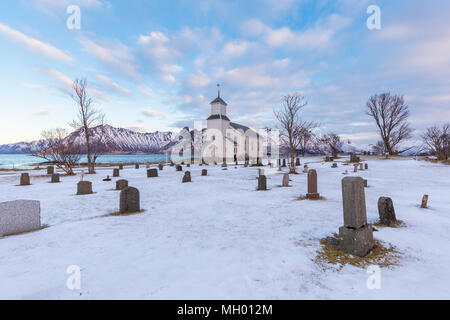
point(218, 99)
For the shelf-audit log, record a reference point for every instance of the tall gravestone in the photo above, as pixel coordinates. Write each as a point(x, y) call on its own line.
point(285, 180)
point(55, 178)
point(297, 161)
point(25, 179)
point(262, 182)
point(204, 172)
point(284, 163)
point(84, 187)
point(121, 184)
point(386, 211)
point(116, 173)
point(361, 166)
point(129, 200)
point(356, 235)
point(312, 185)
point(50, 170)
point(160, 167)
point(366, 166)
point(152, 173)
point(355, 168)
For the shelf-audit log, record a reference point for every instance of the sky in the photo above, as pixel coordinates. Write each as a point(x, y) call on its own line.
point(154, 65)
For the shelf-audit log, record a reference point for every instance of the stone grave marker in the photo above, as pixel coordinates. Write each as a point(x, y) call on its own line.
point(129, 200)
point(312, 185)
point(386, 211)
point(84, 187)
point(121, 184)
point(19, 216)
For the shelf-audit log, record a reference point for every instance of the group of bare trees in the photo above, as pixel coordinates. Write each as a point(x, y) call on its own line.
point(437, 141)
point(64, 149)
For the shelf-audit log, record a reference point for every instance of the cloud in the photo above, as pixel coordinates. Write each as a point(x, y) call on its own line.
point(113, 54)
point(146, 91)
point(253, 76)
point(35, 45)
point(113, 86)
point(168, 78)
point(154, 113)
point(236, 48)
point(44, 111)
point(198, 79)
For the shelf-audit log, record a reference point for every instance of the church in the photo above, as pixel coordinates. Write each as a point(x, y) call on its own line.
point(228, 141)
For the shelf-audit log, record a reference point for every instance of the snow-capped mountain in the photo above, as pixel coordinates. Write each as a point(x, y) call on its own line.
point(119, 140)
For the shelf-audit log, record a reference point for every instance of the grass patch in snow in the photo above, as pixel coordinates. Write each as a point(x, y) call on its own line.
point(117, 214)
point(330, 254)
point(302, 197)
point(396, 224)
point(45, 226)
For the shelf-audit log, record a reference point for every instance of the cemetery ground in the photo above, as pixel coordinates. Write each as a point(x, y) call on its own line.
point(217, 237)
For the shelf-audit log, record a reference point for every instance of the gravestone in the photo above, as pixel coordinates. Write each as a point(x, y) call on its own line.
point(179, 167)
point(19, 216)
point(121, 184)
point(354, 158)
point(366, 166)
point(84, 187)
point(147, 166)
point(152, 173)
point(355, 168)
point(116, 172)
point(107, 178)
point(386, 211)
point(55, 178)
point(424, 201)
point(25, 179)
point(262, 182)
point(129, 200)
point(297, 161)
point(284, 163)
point(50, 170)
point(120, 166)
point(334, 165)
point(361, 166)
point(356, 235)
point(305, 168)
point(186, 177)
point(312, 185)
point(204, 172)
point(365, 183)
point(160, 167)
point(136, 166)
point(328, 159)
point(286, 180)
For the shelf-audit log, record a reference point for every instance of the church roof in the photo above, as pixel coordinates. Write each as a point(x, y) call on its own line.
point(246, 129)
point(219, 100)
point(218, 116)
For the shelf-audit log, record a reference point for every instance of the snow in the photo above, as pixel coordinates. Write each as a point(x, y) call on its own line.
point(219, 238)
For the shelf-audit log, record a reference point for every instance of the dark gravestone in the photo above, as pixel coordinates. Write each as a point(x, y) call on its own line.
point(297, 161)
point(334, 165)
point(179, 167)
point(136, 166)
point(188, 165)
point(152, 173)
point(284, 163)
point(25, 179)
point(312, 185)
point(55, 178)
point(356, 235)
point(116, 172)
point(386, 211)
point(186, 177)
point(84, 187)
point(424, 201)
point(129, 200)
point(262, 182)
point(121, 184)
point(355, 167)
point(160, 167)
point(50, 170)
point(285, 180)
point(366, 166)
point(204, 172)
point(365, 183)
point(120, 166)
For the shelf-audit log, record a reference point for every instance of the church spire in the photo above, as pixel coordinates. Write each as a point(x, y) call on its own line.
point(218, 90)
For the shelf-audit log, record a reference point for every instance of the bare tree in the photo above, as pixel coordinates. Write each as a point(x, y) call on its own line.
point(60, 149)
point(88, 118)
point(289, 117)
point(379, 148)
point(306, 134)
point(333, 141)
point(437, 141)
point(391, 116)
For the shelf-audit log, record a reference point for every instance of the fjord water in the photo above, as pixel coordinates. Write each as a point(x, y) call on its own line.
point(26, 161)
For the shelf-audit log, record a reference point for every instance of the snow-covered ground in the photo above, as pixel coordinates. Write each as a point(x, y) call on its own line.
point(219, 238)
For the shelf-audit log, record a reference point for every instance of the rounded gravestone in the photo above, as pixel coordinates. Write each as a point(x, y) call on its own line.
point(286, 180)
point(186, 177)
point(25, 179)
point(204, 172)
point(55, 178)
point(116, 172)
point(152, 173)
point(129, 200)
point(386, 211)
point(121, 184)
point(84, 187)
